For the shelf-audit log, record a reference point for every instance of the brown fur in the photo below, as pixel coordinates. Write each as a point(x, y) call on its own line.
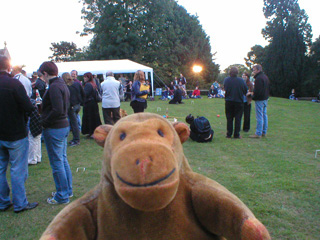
point(148, 191)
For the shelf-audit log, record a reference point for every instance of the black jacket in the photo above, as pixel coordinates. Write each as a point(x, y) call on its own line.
point(55, 104)
point(14, 104)
point(235, 88)
point(76, 94)
point(261, 87)
point(177, 97)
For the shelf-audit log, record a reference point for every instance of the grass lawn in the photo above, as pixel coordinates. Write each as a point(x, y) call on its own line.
point(277, 176)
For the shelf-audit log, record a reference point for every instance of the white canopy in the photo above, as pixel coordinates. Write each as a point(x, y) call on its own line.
point(104, 66)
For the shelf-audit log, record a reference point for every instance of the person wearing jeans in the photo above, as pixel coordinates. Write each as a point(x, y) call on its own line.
point(260, 96)
point(56, 102)
point(56, 144)
point(14, 144)
point(262, 117)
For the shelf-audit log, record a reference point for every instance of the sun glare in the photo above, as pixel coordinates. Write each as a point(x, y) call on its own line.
point(197, 68)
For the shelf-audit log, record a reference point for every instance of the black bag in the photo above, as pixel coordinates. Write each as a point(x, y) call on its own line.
point(97, 95)
point(201, 130)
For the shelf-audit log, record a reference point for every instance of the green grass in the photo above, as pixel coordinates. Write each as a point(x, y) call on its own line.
point(277, 177)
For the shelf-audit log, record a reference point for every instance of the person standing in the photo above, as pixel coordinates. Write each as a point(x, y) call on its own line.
point(14, 104)
point(247, 103)
point(110, 99)
point(260, 96)
point(74, 76)
point(76, 100)
point(183, 81)
point(55, 104)
point(41, 86)
point(139, 92)
point(17, 73)
point(235, 90)
point(91, 116)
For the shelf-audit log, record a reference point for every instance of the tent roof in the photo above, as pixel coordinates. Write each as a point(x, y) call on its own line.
point(102, 66)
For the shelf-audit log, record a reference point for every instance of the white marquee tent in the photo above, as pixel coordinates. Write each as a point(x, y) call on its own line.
point(103, 66)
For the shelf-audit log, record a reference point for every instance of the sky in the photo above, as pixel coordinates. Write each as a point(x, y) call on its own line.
point(234, 26)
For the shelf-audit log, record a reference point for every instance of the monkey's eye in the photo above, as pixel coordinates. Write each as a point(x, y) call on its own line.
point(160, 133)
point(123, 136)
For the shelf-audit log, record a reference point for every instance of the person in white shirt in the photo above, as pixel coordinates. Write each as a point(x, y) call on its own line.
point(17, 74)
point(111, 91)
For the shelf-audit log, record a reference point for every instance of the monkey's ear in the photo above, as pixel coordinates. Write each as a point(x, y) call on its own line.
point(100, 134)
point(183, 131)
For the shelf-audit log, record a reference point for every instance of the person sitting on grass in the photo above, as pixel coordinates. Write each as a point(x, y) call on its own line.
point(177, 96)
point(196, 93)
point(211, 93)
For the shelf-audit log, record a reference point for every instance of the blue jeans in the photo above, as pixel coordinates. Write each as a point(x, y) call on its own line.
point(56, 144)
point(15, 153)
point(73, 114)
point(261, 117)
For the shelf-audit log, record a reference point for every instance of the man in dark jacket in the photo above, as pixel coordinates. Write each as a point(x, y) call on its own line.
point(235, 89)
point(14, 104)
point(260, 96)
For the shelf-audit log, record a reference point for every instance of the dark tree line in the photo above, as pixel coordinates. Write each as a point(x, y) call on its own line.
point(290, 59)
point(160, 34)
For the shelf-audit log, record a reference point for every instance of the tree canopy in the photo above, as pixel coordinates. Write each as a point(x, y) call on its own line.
point(160, 34)
point(289, 35)
point(64, 51)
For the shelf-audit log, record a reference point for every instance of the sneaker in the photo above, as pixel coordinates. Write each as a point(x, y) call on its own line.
point(54, 193)
point(264, 135)
point(28, 207)
point(52, 201)
point(74, 143)
point(254, 136)
point(6, 208)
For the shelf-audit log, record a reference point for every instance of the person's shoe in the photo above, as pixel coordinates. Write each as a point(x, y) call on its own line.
point(228, 136)
point(54, 193)
point(6, 208)
point(28, 207)
point(74, 143)
point(264, 135)
point(254, 136)
point(238, 137)
point(52, 201)
point(32, 163)
point(246, 130)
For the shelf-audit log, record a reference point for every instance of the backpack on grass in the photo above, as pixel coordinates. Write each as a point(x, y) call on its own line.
point(200, 127)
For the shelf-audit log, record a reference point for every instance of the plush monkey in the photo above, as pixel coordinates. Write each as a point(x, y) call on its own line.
point(148, 191)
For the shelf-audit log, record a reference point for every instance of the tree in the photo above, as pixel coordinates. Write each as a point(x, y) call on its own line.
point(160, 34)
point(255, 56)
point(241, 69)
point(64, 51)
point(311, 86)
point(289, 34)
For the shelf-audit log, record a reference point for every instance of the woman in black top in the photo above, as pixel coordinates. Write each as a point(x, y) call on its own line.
point(55, 104)
point(91, 116)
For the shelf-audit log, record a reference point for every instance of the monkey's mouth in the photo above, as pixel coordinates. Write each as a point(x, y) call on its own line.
point(146, 184)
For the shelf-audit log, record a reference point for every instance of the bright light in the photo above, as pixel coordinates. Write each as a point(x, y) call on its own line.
point(197, 68)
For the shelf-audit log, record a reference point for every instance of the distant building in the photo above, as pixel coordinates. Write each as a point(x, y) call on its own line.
point(5, 51)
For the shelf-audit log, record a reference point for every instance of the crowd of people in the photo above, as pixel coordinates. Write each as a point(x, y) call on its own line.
point(46, 108)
